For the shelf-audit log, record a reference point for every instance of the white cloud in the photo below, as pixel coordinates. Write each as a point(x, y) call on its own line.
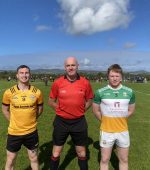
point(129, 45)
point(90, 16)
point(85, 62)
point(43, 28)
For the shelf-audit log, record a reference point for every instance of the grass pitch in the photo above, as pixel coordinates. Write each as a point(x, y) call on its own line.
point(139, 127)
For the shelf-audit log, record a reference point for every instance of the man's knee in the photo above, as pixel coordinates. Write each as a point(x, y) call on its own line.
point(33, 158)
point(81, 151)
point(33, 155)
point(105, 160)
point(56, 154)
point(123, 160)
point(57, 151)
point(11, 158)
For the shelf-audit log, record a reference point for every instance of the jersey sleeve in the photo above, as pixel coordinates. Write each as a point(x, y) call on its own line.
point(40, 98)
point(132, 99)
point(6, 98)
point(89, 91)
point(54, 91)
point(97, 98)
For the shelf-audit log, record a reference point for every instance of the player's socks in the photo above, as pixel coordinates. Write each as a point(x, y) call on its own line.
point(54, 163)
point(82, 161)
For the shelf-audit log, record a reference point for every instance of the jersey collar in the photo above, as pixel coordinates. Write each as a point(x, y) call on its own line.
point(28, 88)
point(120, 86)
point(78, 78)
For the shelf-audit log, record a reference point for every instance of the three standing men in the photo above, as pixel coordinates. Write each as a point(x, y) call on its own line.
point(113, 105)
point(71, 95)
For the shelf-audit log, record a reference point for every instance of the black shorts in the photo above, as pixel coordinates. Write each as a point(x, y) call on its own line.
point(30, 141)
point(76, 128)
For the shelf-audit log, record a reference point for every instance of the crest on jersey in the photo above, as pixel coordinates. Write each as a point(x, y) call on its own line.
point(32, 97)
point(15, 97)
point(124, 94)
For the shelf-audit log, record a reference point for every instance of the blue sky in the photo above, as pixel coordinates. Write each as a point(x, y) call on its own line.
point(42, 33)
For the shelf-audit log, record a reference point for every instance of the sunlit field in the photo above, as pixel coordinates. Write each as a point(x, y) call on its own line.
point(139, 127)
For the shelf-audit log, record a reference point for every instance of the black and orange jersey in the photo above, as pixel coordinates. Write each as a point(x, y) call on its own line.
point(23, 109)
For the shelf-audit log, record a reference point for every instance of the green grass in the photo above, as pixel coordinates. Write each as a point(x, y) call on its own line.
point(139, 127)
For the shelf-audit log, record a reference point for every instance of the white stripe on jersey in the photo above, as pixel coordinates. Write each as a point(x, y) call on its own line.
point(114, 107)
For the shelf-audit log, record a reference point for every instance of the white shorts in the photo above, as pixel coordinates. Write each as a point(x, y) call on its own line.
point(121, 139)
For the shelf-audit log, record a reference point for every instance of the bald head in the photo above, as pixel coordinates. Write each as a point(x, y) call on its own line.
point(71, 60)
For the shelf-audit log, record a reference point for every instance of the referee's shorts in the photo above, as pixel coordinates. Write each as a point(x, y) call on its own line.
point(76, 128)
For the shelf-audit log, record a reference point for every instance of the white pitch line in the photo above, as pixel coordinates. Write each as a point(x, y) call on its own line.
point(143, 93)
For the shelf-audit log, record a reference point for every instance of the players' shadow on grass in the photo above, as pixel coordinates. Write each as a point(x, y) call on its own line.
point(44, 155)
point(71, 154)
point(114, 159)
point(45, 151)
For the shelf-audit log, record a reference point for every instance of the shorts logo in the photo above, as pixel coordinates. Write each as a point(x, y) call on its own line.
point(36, 144)
point(104, 142)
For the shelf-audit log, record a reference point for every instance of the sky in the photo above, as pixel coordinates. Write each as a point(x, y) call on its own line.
point(42, 33)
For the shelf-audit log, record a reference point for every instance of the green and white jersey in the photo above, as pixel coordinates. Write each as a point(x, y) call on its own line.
point(114, 107)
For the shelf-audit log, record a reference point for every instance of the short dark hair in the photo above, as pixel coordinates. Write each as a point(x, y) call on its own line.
point(23, 66)
point(116, 68)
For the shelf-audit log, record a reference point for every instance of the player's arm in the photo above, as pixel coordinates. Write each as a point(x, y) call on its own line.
point(52, 103)
point(6, 111)
point(96, 110)
point(40, 102)
point(88, 96)
point(88, 103)
point(131, 109)
point(39, 110)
